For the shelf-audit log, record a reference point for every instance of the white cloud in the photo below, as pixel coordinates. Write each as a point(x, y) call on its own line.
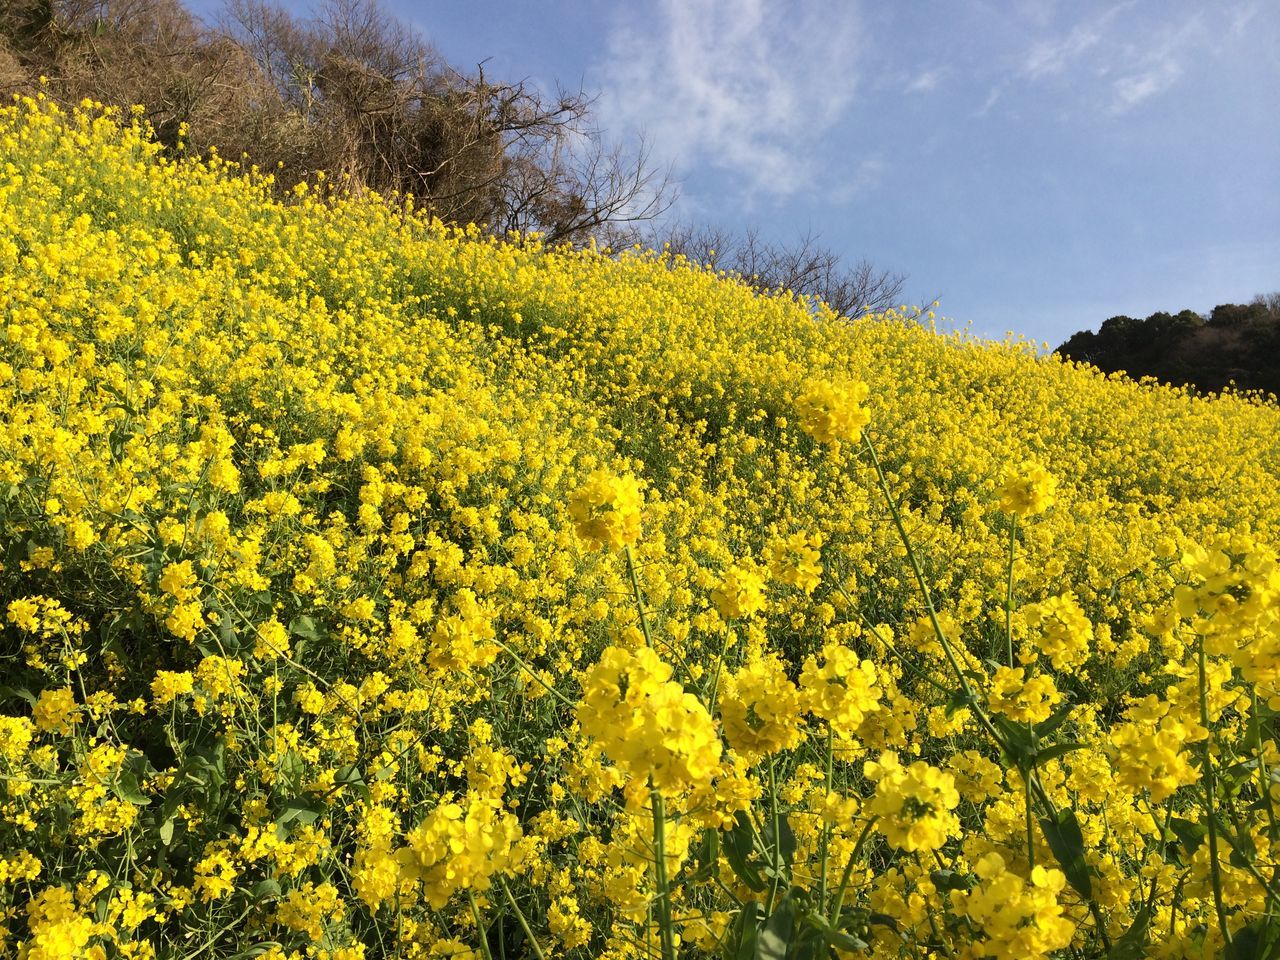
point(993, 97)
point(749, 87)
point(1131, 90)
point(1119, 59)
point(1158, 64)
point(926, 82)
point(1053, 56)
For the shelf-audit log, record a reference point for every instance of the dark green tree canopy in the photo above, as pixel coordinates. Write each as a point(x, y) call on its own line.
point(1236, 344)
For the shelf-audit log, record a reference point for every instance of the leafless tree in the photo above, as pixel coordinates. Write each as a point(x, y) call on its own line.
point(1271, 301)
point(806, 267)
point(397, 118)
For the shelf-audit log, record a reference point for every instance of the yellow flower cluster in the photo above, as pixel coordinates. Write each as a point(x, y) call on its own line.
point(646, 723)
point(1022, 698)
point(1017, 918)
point(373, 587)
point(457, 849)
point(839, 688)
point(760, 710)
point(606, 509)
point(914, 803)
point(831, 412)
point(1062, 632)
point(1028, 489)
point(740, 593)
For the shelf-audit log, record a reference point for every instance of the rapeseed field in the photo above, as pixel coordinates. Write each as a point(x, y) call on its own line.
point(372, 588)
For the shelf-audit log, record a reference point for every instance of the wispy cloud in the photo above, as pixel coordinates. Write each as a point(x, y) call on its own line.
point(1157, 64)
point(747, 87)
point(1131, 90)
point(1116, 62)
point(925, 82)
point(1053, 56)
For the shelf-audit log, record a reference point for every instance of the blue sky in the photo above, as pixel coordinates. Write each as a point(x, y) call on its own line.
point(1038, 166)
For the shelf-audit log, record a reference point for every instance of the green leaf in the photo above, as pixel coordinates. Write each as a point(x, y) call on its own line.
point(1239, 772)
point(1056, 751)
point(1243, 850)
point(1019, 748)
point(1067, 844)
point(738, 845)
point(1132, 944)
point(304, 627)
point(1047, 726)
point(746, 927)
point(128, 788)
point(292, 769)
point(882, 920)
point(1259, 940)
point(264, 889)
point(348, 776)
point(8, 693)
point(227, 631)
point(776, 935)
point(304, 810)
point(845, 941)
point(166, 832)
point(1189, 833)
point(709, 850)
point(172, 800)
point(786, 841)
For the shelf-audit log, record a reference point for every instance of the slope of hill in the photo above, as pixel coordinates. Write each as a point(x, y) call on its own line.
point(320, 634)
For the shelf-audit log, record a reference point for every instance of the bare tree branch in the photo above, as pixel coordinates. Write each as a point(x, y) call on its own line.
point(805, 268)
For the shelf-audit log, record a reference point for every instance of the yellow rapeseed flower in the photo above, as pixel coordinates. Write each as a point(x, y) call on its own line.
point(606, 509)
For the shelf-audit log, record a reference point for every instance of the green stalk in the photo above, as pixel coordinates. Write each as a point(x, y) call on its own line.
point(1008, 600)
point(826, 827)
point(635, 586)
point(480, 931)
point(660, 872)
point(848, 871)
point(1031, 837)
point(965, 686)
point(524, 924)
point(534, 675)
point(1215, 871)
point(715, 677)
point(777, 840)
point(1264, 773)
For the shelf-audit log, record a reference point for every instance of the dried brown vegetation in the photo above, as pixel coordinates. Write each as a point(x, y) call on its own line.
point(351, 92)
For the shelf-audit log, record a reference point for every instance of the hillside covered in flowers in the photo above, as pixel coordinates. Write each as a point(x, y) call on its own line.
point(375, 589)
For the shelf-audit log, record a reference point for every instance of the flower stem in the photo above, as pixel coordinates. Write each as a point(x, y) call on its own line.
point(524, 924)
point(1210, 788)
point(480, 930)
point(660, 871)
point(824, 849)
point(635, 586)
point(1008, 600)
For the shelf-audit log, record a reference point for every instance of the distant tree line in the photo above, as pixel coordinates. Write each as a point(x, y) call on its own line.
point(1233, 345)
point(355, 93)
